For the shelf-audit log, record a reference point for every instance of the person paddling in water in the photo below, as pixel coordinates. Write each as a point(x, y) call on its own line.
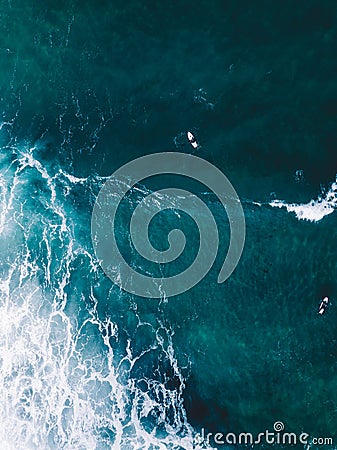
point(323, 305)
point(192, 140)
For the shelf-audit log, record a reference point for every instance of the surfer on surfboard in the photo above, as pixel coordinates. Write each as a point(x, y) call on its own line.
point(192, 140)
point(323, 305)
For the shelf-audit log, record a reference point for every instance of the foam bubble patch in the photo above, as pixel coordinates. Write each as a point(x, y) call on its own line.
point(313, 211)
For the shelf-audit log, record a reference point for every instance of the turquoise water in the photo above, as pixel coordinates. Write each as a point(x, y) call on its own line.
point(85, 88)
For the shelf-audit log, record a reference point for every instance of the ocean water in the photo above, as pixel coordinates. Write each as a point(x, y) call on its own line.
point(89, 86)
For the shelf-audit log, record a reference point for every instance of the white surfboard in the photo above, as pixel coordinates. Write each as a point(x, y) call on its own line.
point(323, 305)
point(192, 140)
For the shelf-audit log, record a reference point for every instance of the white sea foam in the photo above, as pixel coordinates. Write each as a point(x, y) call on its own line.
point(315, 210)
point(65, 380)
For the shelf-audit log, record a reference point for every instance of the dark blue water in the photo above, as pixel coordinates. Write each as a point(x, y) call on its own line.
point(87, 87)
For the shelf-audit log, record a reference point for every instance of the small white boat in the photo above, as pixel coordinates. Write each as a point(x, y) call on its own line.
point(323, 305)
point(192, 140)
